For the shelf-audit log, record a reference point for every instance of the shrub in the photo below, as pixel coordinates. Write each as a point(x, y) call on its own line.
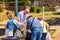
point(32, 9)
point(49, 9)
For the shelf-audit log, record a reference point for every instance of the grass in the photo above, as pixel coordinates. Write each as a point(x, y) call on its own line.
point(45, 15)
point(4, 19)
point(52, 31)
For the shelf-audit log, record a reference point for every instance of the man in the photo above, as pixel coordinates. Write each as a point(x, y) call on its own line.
point(22, 15)
point(35, 26)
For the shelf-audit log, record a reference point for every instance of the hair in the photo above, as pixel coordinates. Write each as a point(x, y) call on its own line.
point(7, 13)
point(27, 7)
point(39, 18)
point(29, 16)
point(26, 11)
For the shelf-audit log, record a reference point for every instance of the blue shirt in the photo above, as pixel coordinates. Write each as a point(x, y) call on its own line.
point(35, 23)
point(10, 24)
point(21, 16)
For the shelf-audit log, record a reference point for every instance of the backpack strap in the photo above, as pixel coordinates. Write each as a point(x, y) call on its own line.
point(15, 28)
point(31, 23)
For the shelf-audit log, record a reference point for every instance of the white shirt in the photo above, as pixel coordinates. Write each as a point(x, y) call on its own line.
point(44, 28)
point(21, 16)
point(18, 24)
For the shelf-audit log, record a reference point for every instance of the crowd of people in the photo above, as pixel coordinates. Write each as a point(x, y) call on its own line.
point(26, 25)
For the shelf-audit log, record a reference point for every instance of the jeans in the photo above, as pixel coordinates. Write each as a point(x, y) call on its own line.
point(9, 32)
point(43, 36)
point(36, 34)
point(28, 36)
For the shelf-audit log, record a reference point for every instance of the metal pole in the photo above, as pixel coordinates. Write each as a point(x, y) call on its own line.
point(43, 15)
point(16, 7)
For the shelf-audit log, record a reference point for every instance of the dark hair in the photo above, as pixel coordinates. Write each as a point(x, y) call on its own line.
point(9, 16)
point(7, 13)
point(29, 16)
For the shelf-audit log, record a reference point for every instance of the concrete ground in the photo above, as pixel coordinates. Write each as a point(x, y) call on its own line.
point(56, 35)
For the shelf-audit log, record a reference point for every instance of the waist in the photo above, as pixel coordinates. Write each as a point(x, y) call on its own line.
point(36, 28)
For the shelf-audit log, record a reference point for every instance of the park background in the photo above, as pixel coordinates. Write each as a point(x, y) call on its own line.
point(51, 12)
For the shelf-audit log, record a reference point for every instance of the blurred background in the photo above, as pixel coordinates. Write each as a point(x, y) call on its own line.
point(51, 12)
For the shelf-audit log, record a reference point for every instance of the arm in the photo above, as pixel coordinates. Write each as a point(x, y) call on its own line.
point(18, 24)
point(25, 28)
point(47, 26)
point(28, 25)
point(27, 15)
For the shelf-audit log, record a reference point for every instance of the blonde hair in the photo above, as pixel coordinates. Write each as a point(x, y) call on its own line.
point(40, 18)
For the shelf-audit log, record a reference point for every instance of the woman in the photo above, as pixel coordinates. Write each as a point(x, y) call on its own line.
point(45, 26)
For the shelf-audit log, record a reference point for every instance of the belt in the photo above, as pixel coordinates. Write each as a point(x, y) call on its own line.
point(35, 27)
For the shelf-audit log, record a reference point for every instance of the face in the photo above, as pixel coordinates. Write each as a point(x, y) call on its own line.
point(9, 16)
point(26, 12)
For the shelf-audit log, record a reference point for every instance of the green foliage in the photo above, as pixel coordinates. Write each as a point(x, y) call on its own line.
point(26, 1)
point(49, 9)
point(34, 9)
point(1, 0)
point(52, 31)
point(6, 0)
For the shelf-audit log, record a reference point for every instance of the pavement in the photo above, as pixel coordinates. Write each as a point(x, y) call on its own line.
point(56, 35)
point(3, 24)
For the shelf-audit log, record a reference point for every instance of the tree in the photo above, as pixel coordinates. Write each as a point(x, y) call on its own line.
point(25, 1)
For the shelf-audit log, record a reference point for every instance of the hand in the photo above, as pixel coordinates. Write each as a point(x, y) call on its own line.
point(29, 31)
point(24, 21)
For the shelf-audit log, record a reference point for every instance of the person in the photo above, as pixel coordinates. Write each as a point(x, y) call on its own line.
point(22, 15)
point(45, 28)
point(19, 28)
point(36, 29)
point(11, 27)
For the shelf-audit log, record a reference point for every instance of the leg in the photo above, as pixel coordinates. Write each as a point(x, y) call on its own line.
point(33, 35)
point(28, 36)
point(44, 36)
point(39, 34)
